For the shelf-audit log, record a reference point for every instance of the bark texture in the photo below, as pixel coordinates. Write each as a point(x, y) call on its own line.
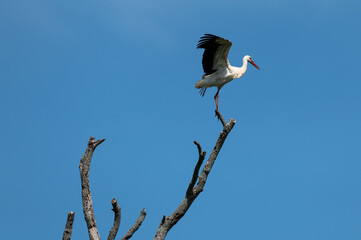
point(135, 226)
point(68, 226)
point(114, 230)
point(192, 192)
point(84, 168)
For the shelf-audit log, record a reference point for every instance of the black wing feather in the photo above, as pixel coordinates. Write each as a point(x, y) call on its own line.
point(208, 42)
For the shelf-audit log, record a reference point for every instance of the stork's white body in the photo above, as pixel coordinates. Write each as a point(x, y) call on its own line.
point(223, 75)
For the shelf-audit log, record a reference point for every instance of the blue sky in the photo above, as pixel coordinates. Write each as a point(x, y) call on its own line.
point(125, 71)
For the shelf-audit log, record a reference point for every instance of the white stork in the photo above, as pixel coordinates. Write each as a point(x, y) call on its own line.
point(217, 69)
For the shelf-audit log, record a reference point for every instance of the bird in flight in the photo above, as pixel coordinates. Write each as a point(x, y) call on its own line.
point(217, 69)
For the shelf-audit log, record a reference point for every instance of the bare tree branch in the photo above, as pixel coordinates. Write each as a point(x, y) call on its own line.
point(68, 226)
point(168, 222)
point(135, 226)
point(116, 209)
point(84, 168)
point(212, 158)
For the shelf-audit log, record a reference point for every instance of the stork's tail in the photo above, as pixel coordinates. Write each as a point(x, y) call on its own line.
point(199, 84)
point(202, 90)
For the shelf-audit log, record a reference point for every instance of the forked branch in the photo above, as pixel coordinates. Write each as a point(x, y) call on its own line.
point(88, 210)
point(167, 223)
point(192, 192)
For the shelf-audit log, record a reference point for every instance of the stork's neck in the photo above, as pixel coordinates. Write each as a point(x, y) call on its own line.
point(243, 69)
point(239, 71)
point(245, 62)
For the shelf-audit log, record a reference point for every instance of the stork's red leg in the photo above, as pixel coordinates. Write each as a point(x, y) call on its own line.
point(216, 98)
point(218, 114)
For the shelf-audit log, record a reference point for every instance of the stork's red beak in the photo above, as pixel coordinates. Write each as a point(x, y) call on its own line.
point(255, 65)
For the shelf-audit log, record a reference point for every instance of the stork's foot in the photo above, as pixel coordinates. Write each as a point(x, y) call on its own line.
point(220, 117)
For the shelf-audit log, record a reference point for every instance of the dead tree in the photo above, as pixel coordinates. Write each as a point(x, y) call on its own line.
point(166, 223)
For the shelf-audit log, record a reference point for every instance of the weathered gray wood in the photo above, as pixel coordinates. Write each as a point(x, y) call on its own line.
point(167, 223)
point(84, 168)
point(135, 226)
point(68, 226)
point(114, 230)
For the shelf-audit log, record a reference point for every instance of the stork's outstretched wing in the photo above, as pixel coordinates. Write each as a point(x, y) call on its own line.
point(215, 52)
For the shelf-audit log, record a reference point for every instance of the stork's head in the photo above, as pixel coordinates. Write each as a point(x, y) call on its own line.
point(249, 59)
